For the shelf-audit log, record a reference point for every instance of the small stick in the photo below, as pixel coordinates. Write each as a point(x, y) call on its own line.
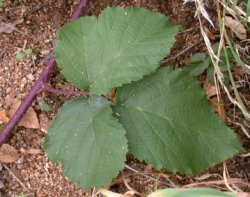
point(2, 53)
point(36, 9)
point(16, 178)
point(147, 176)
point(139, 3)
point(166, 61)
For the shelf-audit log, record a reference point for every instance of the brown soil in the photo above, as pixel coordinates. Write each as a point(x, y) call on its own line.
point(40, 177)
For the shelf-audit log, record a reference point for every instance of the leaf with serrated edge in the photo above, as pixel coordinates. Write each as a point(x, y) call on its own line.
point(121, 46)
point(89, 142)
point(170, 124)
point(198, 64)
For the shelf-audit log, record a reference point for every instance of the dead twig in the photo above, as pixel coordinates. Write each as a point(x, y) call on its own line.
point(131, 190)
point(148, 176)
point(36, 9)
point(2, 53)
point(226, 177)
point(245, 155)
point(216, 183)
point(17, 179)
point(166, 61)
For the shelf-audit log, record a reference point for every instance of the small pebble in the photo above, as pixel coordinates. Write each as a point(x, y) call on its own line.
point(30, 77)
point(1, 185)
point(20, 160)
point(45, 52)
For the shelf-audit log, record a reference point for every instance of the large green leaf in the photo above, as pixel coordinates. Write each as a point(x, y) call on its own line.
point(89, 142)
point(197, 192)
point(170, 124)
point(120, 46)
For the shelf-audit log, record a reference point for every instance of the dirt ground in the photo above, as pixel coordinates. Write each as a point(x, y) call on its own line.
point(33, 174)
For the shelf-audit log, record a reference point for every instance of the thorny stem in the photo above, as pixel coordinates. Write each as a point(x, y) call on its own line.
point(79, 10)
point(139, 3)
point(38, 86)
point(49, 88)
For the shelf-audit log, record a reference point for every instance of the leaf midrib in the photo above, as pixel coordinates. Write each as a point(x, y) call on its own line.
point(170, 122)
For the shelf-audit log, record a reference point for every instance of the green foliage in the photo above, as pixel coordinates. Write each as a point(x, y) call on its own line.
point(43, 105)
point(88, 140)
point(24, 53)
point(166, 116)
point(170, 124)
point(198, 64)
point(201, 62)
point(120, 46)
point(197, 192)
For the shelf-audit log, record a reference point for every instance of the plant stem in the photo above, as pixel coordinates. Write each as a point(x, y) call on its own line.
point(48, 88)
point(79, 10)
point(139, 3)
point(237, 95)
point(38, 86)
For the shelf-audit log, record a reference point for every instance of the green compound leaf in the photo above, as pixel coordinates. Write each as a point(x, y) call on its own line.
point(170, 124)
point(121, 46)
point(89, 142)
point(198, 64)
point(198, 192)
